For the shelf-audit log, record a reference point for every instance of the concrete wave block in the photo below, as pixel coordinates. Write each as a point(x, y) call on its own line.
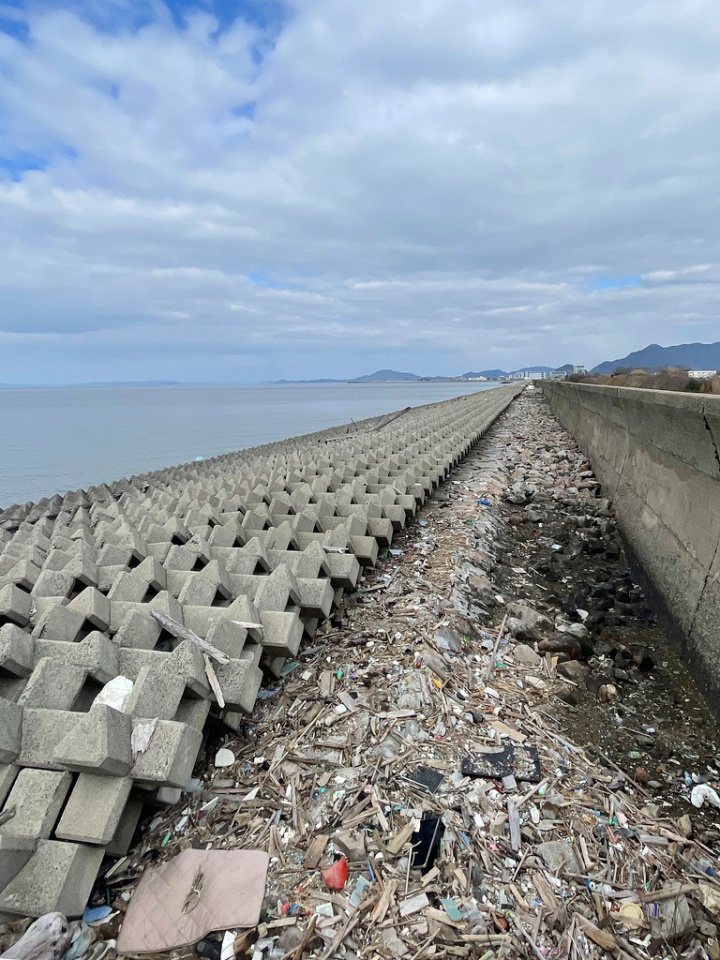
point(23, 574)
point(11, 717)
point(96, 653)
point(17, 650)
point(37, 797)
point(227, 636)
point(55, 684)
point(41, 732)
point(60, 623)
point(240, 682)
point(8, 775)
point(125, 830)
point(94, 809)
point(170, 756)
point(59, 876)
point(14, 854)
point(14, 605)
point(99, 741)
point(282, 632)
point(157, 691)
point(138, 630)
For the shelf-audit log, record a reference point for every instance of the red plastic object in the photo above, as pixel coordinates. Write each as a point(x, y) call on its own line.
point(335, 876)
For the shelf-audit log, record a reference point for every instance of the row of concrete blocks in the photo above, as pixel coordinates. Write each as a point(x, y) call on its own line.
point(251, 566)
point(326, 446)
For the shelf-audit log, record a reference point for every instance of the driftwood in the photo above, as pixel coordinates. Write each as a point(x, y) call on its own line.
point(386, 421)
point(182, 633)
point(46, 939)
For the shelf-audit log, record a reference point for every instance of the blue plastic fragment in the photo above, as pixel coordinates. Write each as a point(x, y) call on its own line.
point(94, 914)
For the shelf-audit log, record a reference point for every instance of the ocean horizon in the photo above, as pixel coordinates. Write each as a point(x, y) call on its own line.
point(55, 439)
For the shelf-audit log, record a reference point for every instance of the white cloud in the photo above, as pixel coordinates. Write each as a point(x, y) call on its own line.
point(424, 184)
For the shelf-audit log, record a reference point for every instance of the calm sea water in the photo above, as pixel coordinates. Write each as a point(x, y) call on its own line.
point(58, 439)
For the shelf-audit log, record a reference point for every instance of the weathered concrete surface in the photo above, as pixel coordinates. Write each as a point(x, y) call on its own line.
point(656, 454)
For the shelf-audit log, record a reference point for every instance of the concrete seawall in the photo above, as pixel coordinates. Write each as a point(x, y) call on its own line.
point(656, 456)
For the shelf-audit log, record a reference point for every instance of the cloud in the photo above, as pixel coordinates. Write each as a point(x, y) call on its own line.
point(262, 190)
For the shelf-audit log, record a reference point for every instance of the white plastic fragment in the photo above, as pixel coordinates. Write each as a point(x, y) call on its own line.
point(116, 693)
point(224, 757)
point(227, 950)
point(141, 736)
point(703, 792)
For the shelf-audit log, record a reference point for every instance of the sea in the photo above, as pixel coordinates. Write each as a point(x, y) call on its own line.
point(55, 439)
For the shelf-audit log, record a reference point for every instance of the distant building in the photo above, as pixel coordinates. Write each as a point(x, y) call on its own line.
point(702, 374)
point(527, 375)
point(562, 373)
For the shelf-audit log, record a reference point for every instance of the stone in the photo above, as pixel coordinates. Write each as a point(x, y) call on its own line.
point(352, 843)
point(559, 855)
point(560, 643)
point(573, 670)
point(526, 656)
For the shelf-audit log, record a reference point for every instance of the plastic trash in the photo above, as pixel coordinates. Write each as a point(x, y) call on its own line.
point(335, 876)
point(116, 693)
point(224, 757)
point(703, 792)
point(358, 893)
point(95, 914)
point(426, 842)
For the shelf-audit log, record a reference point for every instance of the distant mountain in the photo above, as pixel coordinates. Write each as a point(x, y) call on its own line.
point(695, 356)
point(381, 375)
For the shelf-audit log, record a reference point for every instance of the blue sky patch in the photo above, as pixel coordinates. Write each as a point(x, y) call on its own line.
point(18, 164)
point(614, 282)
point(11, 23)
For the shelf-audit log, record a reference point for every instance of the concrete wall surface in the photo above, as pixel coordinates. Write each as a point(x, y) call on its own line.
point(656, 454)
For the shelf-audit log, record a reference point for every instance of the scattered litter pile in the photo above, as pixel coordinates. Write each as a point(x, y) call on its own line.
point(410, 778)
point(128, 611)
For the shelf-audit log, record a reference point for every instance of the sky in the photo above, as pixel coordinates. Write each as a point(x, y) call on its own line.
point(265, 189)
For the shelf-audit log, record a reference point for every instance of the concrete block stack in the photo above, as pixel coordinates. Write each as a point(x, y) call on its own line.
point(102, 709)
